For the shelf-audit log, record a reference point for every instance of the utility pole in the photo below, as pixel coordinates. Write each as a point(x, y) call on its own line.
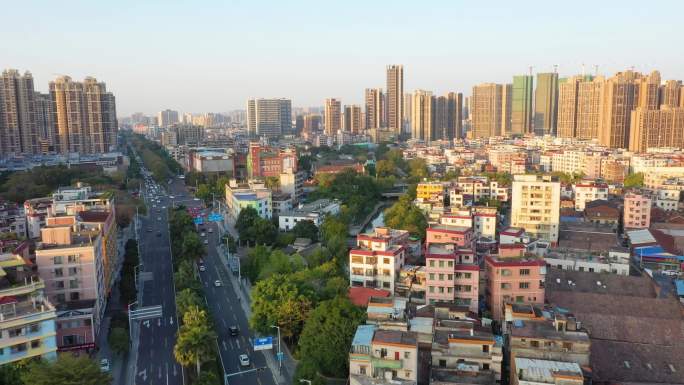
point(280, 352)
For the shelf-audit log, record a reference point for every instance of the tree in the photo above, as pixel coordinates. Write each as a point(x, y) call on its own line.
point(256, 260)
point(118, 340)
point(207, 377)
point(263, 232)
point(272, 182)
point(306, 229)
point(204, 192)
point(418, 168)
point(404, 215)
point(246, 219)
point(280, 263)
point(66, 369)
point(232, 245)
point(192, 247)
point(278, 301)
point(187, 298)
point(195, 342)
point(634, 180)
point(328, 333)
point(384, 168)
point(185, 278)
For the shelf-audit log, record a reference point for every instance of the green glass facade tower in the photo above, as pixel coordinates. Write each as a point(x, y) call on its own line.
point(546, 104)
point(521, 109)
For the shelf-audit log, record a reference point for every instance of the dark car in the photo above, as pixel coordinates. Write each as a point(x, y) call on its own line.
point(234, 331)
point(159, 233)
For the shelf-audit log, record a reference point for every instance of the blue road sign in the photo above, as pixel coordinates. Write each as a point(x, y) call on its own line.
point(215, 217)
point(199, 220)
point(280, 356)
point(264, 343)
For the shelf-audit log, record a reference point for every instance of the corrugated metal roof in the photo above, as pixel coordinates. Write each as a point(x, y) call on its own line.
point(637, 237)
point(542, 370)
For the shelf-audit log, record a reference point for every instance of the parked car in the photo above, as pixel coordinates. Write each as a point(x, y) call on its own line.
point(218, 283)
point(671, 273)
point(234, 331)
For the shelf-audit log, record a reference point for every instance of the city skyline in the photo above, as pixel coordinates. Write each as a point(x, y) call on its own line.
point(141, 59)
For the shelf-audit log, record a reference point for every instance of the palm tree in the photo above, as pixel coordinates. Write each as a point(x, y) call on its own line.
point(194, 344)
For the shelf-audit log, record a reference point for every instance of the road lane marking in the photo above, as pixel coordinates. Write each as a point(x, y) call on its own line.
point(234, 317)
point(238, 343)
point(218, 305)
point(231, 344)
point(224, 345)
point(224, 322)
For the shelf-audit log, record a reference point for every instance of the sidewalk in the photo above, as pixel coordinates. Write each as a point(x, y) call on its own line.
point(243, 292)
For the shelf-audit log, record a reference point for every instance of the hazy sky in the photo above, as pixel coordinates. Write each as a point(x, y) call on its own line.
point(210, 56)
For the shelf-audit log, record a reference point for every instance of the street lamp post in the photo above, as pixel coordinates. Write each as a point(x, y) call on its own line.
point(130, 329)
point(280, 352)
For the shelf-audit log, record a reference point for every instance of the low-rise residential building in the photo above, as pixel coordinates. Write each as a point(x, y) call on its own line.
point(558, 338)
point(637, 211)
point(484, 221)
point(602, 212)
point(389, 356)
point(518, 279)
point(315, 212)
point(542, 372)
point(461, 348)
point(451, 236)
point(452, 276)
point(36, 210)
point(12, 219)
point(536, 205)
point(378, 258)
point(616, 262)
point(667, 198)
point(586, 192)
point(70, 260)
point(431, 191)
point(27, 317)
point(254, 195)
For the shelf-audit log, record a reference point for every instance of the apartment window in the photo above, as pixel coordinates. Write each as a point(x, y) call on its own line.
point(35, 344)
point(386, 261)
point(450, 263)
point(357, 259)
point(59, 284)
point(432, 276)
point(386, 272)
point(485, 366)
point(505, 272)
point(59, 272)
point(60, 298)
point(449, 289)
point(520, 298)
point(505, 286)
point(524, 285)
point(383, 353)
point(407, 354)
point(441, 263)
point(34, 328)
point(432, 263)
point(441, 277)
point(567, 345)
point(468, 275)
point(441, 290)
point(431, 289)
point(73, 284)
point(362, 369)
point(73, 258)
point(485, 348)
point(74, 296)
point(15, 332)
point(442, 363)
point(450, 277)
point(524, 271)
point(18, 348)
point(58, 260)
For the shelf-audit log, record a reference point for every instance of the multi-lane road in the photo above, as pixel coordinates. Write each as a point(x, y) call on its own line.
point(155, 361)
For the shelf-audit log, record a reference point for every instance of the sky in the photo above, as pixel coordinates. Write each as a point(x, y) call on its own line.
point(210, 56)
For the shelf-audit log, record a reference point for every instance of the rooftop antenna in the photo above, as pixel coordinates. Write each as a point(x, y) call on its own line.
point(583, 70)
point(530, 67)
point(595, 69)
point(555, 68)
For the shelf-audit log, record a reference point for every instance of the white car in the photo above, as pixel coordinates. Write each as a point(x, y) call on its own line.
point(244, 360)
point(104, 365)
point(196, 199)
point(206, 241)
point(218, 283)
point(203, 235)
point(202, 268)
point(171, 196)
point(211, 230)
point(670, 273)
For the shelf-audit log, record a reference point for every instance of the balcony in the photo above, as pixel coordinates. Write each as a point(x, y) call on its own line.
point(385, 363)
